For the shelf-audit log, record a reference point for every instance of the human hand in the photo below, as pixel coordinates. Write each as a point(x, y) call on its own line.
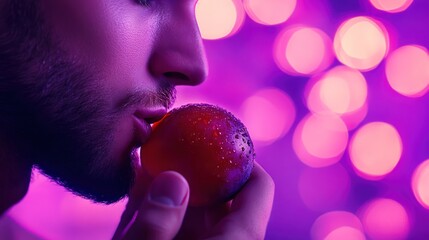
point(160, 213)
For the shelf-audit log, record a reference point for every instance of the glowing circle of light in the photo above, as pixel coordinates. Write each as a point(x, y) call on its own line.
point(375, 150)
point(219, 18)
point(302, 50)
point(325, 188)
point(419, 184)
point(340, 90)
point(392, 6)
point(337, 225)
point(320, 129)
point(385, 218)
point(269, 12)
point(320, 140)
point(354, 118)
point(348, 233)
point(361, 43)
point(268, 114)
point(407, 70)
point(335, 94)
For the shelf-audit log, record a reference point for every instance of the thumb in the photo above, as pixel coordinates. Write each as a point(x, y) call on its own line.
point(161, 213)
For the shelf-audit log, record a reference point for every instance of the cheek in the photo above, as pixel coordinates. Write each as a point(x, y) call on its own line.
point(114, 39)
point(125, 50)
point(76, 25)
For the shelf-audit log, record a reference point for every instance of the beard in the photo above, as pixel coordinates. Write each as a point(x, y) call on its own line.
point(54, 110)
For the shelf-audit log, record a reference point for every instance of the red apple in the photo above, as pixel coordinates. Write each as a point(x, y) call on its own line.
point(206, 144)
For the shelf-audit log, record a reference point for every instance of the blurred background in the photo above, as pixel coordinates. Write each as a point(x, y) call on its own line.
point(334, 95)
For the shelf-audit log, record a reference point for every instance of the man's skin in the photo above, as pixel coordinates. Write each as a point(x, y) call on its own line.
point(80, 83)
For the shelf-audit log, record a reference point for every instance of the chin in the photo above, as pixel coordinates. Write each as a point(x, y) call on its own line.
point(92, 172)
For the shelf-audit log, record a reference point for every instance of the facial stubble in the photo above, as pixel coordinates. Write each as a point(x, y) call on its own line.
point(54, 110)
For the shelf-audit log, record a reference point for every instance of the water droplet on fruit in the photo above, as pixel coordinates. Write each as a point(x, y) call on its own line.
point(210, 144)
point(230, 161)
point(223, 158)
point(192, 142)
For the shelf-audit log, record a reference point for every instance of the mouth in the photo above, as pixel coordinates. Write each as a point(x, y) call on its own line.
point(142, 130)
point(142, 120)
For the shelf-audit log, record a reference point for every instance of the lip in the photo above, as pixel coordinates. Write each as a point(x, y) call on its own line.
point(142, 130)
point(150, 115)
point(143, 118)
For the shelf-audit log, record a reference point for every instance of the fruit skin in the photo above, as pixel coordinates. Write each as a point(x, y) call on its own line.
point(206, 144)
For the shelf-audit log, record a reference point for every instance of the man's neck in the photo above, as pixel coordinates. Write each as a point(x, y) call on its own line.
point(15, 175)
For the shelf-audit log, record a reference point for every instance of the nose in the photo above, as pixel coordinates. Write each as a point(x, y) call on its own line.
point(178, 53)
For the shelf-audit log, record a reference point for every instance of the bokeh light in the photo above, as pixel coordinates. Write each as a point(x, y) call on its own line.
point(420, 182)
point(303, 50)
point(337, 225)
point(407, 70)
point(384, 218)
point(392, 6)
point(324, 189)
point(320, 140)
point(361, 43)
point(268, 114)
point(341, 90)
point(375, 150)
point(219, 18)
point(348, 233)
point(269, 12)
point(353, 119)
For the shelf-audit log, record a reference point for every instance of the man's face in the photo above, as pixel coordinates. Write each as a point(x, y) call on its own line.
point(82, 81)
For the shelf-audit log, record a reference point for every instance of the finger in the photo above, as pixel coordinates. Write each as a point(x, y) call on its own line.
point(135, 198)
point(161, 213)
point(250, 210)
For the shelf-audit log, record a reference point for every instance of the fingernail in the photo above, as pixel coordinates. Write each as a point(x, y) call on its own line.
point(169, 188)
